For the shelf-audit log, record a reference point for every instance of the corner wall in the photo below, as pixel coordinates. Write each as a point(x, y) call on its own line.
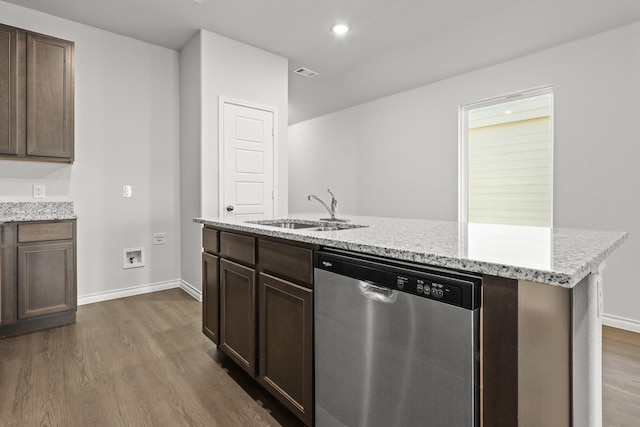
point(406, 147)
point(126, 132)
point(190, 152)
point(233, 70)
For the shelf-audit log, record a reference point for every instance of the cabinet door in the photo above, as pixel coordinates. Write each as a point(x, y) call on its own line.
point(46, 282)
point(286, 344)
point(49, 97)
point(7, 274)
point(237, 314)
point(8, 106)
point(210, 297)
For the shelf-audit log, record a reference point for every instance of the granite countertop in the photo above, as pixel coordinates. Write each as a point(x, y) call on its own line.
point(35, 211)
point(555, 256)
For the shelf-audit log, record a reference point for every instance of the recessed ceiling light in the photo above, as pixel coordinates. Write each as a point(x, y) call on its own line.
point(340, 28)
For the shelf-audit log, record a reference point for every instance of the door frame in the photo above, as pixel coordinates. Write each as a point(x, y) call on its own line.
point(222, 100)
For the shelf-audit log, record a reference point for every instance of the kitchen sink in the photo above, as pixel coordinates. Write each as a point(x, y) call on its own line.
point(307, 225)
point(283, 224)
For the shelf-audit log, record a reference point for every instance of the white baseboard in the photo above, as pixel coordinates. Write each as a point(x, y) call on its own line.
point(128, 292)
point(195, 293)
point(621, 323)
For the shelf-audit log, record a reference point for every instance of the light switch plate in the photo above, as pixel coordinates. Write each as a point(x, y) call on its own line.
point(127, 191)
point(38, 191)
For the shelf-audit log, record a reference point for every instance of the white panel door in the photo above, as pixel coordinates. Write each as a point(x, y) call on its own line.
point(248, 162)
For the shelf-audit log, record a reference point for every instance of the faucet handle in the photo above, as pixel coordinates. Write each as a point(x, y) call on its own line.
point(334, 201)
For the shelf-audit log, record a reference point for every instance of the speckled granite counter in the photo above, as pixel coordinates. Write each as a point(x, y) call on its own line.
point(35, 211)
point(555, 256)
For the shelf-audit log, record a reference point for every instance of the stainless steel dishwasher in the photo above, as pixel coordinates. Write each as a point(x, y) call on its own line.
point(396, 344)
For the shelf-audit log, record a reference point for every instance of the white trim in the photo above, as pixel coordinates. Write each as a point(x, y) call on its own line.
point(621, 323)
point(128, 292)
point(463, 167)
point(552, 149)
point(541, 90)
point(222, 100)
point(191, 290)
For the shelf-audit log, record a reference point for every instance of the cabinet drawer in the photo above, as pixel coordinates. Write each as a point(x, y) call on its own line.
point(289, 261)
point(210, 240)
point(239, 247)
point(40, 232)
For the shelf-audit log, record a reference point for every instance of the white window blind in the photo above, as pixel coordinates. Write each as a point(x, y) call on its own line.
point(509, 161)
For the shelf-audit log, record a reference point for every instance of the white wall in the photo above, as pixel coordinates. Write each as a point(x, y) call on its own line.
point(323, 155)
point(234, 70)
point(190, 125)
point(406, 147)
point(126, 132)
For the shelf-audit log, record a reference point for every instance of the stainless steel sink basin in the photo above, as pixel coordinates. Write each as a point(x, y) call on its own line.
point(291, 225)
point(307, 225)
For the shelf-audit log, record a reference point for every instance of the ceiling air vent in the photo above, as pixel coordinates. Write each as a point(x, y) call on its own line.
point(306, 72)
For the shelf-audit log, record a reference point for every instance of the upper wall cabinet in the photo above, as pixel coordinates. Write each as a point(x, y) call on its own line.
point(36, 96)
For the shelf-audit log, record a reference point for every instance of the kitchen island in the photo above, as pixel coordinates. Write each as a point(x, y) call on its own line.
point(541, 303)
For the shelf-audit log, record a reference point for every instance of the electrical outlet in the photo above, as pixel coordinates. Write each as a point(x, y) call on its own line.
point(127, 191)
point(159, 238)
point(38, 191)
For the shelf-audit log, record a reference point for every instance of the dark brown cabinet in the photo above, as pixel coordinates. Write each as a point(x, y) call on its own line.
point(45, 279)
point(37, 94)
point(210, 297)
point(258, 308)
point(286, 343)
point(8, 94)
point(38, 266)
point(238, 314)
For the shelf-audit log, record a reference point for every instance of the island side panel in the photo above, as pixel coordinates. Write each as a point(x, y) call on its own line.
point(544, 355)
point(499, 358)
point(587, 348)
point(526, 358)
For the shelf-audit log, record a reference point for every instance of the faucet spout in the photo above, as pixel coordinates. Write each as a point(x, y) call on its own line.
point(331, 211)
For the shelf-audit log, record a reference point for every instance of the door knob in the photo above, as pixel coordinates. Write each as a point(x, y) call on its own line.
point(229, 208)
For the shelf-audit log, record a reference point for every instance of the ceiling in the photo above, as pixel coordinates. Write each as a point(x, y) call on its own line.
point(394, 45)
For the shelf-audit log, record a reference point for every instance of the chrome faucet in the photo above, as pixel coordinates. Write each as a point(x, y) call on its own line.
point(331, 209)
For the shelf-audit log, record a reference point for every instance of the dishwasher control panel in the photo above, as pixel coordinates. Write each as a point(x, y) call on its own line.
point(440, 289)
point(450, 287)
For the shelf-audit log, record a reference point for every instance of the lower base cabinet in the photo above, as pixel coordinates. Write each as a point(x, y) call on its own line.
point(210, 297)
point(237, 314)
point(37, 276)
point(258, 309)
point(45, 279)
point(286, 343)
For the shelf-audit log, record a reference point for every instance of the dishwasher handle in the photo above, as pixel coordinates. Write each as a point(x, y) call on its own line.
point(377, 293)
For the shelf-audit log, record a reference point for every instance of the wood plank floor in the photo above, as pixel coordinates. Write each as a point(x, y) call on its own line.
point(621, 378)
point(143, 361)
point(138, 361)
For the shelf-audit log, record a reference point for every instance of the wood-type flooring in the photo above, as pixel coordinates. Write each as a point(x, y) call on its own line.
point(621, 378)
point(137, 361)
point(143, 361)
